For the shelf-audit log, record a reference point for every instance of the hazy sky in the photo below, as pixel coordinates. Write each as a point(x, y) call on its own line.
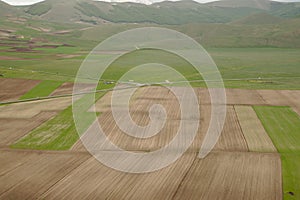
point(28, 2)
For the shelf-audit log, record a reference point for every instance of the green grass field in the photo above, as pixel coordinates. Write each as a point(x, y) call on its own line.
point(283, 127)
point(43, 89)
point(270, 68)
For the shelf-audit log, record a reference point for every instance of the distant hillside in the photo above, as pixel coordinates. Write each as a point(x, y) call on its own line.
point(171, 13)
point(85, 22)
point(287, 10)
point(159, 13)
point(6, 9)
point(259, 4)
point(260, 18)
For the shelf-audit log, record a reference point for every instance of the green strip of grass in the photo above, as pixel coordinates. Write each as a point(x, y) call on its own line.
point(283, 127)
point(291, 177)
point(45, 88)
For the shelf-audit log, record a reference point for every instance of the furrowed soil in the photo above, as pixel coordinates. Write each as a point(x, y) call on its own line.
point(13, 89)
point(257, 138)
point(230, 171)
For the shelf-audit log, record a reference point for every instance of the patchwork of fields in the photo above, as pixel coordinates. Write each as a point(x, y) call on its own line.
point(254, 158)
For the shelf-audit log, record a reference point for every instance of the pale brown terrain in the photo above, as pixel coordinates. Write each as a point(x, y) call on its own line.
point(30, 109)
point(231, 171)
point(257, 138)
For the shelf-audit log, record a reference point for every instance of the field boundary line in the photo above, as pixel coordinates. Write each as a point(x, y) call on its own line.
point(184, 177)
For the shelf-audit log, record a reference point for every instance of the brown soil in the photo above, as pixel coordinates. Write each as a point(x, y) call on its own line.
point(243, 97)
point(10, 58)
point(229, 172)
point(233, 176)
point(13, 89)
point(232, 138)
point(34, 173)
point(97, 181)
point(273, 97)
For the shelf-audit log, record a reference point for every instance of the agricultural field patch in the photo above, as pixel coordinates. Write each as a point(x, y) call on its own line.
point(245, 97)
point(60, 132)
point(231, 138)
point(28, 110)
point(111, 184)
point(13, 129)
point(34, 173)
point(257, 138)
point(43, 89)
point(283, 126)
point(13, 89)
point(233, 175)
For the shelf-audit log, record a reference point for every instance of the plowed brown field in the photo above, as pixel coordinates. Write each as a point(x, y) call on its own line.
point(230, 176)
point(13, 89)
point(230, 171)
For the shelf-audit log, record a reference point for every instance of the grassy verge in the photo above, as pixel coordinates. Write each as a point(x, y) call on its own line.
point(283, 126)
point(45, 88)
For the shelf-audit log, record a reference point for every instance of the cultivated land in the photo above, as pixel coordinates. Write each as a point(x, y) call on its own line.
point(257, 53)
point(257, 138)
point(231, 171)
point(13, 89)
point(283, 126)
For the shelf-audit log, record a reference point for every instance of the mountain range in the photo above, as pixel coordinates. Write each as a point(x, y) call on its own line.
point(217, 24)
point(166, 13)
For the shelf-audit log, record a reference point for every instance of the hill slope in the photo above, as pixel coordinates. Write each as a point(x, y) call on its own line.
point(175, 13)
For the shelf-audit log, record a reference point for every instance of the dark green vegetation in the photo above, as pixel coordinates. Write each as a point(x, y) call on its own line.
point(283, 126)
point(45, 88)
